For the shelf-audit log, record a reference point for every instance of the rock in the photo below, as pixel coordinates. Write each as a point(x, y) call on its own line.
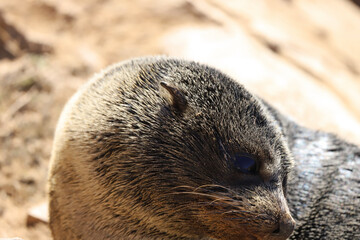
point(16, 238)
point(13, 43)
point(295, 56)
point(37, 214)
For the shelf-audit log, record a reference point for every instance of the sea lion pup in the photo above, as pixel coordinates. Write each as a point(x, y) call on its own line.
point(159, 148)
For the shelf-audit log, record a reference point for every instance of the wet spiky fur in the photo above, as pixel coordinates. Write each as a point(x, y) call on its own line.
point(127, 164)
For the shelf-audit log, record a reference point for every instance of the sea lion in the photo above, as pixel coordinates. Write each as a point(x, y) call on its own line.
point(160, 148)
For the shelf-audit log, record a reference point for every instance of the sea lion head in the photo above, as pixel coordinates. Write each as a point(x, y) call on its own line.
point(194, 156)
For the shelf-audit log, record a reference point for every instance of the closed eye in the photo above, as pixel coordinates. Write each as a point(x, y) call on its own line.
point(245, 163)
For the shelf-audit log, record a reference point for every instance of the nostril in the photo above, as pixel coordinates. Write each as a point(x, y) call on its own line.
point(288, 226)
point(285, 228)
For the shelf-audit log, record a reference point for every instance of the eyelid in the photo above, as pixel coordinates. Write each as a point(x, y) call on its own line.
point(234, 159)
point(242, 154)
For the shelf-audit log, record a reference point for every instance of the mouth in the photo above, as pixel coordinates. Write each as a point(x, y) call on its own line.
point(250, 214)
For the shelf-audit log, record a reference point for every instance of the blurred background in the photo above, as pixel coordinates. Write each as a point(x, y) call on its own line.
point(302, 56)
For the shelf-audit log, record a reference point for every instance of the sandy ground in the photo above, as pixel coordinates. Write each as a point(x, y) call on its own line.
point(302, 56)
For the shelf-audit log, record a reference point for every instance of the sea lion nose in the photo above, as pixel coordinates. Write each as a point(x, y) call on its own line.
point(285, 228)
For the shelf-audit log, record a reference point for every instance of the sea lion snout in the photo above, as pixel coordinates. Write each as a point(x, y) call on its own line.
point(286, 223)
point(280, 230)
point(284, 229)
point(257, 213)
point(287, 226)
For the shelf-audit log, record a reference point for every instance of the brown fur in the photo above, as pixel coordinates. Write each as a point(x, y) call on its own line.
point(148, 150)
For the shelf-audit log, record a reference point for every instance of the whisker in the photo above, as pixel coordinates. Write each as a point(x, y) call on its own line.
point(216, 200)
point(235, 211)
point(183, 186)
point(214, 185)
point(196, 193)
point(227, 203)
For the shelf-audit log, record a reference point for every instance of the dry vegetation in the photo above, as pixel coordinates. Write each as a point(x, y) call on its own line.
point(303, 56)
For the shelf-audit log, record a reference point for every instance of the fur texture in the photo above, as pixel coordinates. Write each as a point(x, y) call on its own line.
point(324, 188)
point(149, 148)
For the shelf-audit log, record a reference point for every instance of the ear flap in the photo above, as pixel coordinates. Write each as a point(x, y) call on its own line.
point(178, 100)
